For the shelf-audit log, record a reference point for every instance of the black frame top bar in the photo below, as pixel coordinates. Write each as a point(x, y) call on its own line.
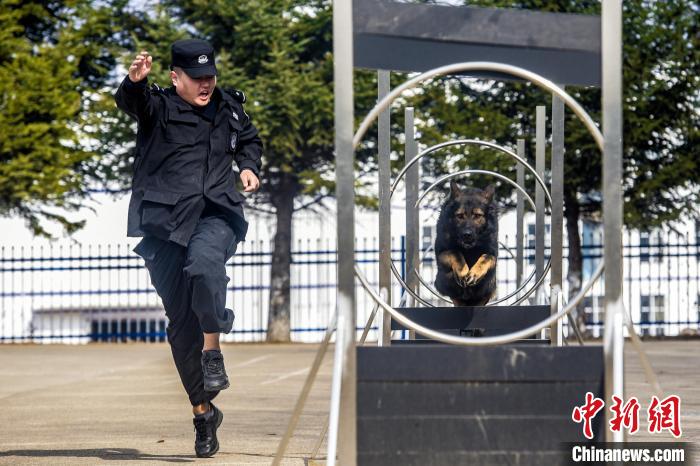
point(563, 47)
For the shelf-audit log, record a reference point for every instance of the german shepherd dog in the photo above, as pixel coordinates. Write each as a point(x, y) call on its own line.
point(466, 246)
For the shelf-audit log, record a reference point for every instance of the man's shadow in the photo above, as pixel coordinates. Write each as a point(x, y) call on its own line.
point(114, 454)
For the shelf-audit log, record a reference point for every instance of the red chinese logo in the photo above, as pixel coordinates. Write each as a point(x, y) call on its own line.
point(626, 416)
point(587, 412)
point(665, 414)
point(662, 414)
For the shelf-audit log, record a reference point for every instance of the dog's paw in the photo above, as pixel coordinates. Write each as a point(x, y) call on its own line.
point(461, 272)
point(480, 270)
point(462, 281)
point(472, 279)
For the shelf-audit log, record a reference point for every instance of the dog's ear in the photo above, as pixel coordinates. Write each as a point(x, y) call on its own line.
point(488, 192)
point(454, 190)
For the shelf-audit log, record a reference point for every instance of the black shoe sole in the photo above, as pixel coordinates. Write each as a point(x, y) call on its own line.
point(216, 450)
point(216, 388)
point(209, 455)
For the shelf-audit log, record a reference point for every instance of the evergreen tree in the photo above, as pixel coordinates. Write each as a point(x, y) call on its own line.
point(55, 59)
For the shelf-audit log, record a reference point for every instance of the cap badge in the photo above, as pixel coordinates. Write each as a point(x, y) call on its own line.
point(202, 59)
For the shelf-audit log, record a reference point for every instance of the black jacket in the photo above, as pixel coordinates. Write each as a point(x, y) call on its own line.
point(183, 160)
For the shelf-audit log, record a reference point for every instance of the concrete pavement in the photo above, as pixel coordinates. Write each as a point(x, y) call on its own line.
point(124, 404)
point(108, 403)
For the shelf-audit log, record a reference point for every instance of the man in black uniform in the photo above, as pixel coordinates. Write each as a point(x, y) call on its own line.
point(185, 205)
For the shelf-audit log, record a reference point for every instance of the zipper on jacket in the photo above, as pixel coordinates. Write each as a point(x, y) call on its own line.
point(206, 158)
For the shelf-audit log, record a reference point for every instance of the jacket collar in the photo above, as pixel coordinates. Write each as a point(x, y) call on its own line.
point(176, 100)
point(225, 99)
point(229, 106)
point(227, 103)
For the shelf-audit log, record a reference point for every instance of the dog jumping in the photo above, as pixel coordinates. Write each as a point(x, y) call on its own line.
point(466, 246)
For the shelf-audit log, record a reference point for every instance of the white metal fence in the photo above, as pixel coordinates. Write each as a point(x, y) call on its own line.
point(78, 294)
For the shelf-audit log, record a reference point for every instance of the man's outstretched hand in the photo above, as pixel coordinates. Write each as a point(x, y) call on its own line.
point(140, 67)
point(251, 183)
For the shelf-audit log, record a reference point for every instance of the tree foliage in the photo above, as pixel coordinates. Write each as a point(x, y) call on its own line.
point(55, 59)
point(661, 76)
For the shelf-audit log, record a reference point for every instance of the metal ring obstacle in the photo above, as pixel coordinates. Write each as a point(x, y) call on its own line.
point(539, 81)
point(478, 143)
point(537, 284)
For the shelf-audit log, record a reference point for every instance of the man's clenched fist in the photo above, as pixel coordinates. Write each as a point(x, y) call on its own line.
point(140, 67)
point(250, 181)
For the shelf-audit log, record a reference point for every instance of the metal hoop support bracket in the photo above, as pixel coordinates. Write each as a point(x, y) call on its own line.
point(480, 341)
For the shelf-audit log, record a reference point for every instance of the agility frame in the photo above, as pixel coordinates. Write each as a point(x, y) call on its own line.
point(342, 439)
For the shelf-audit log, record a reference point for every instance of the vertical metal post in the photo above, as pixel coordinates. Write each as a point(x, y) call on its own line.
point(519, 214)
point(557, 216)
point(613, 341)
point(412, 221)
point(303, 396)
point(384, 162)
point(344, 381)
point(540, 124)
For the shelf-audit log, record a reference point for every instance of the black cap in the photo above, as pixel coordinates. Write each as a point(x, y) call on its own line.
point(194, 56)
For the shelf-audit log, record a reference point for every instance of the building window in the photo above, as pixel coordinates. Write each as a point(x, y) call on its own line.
point(427, 237)
point(591, 248)
point(588, 310)
point(659, 310)
point(594, 309)
point(119, 330)
point(659, 251)
point(644, 246)
point(532, 242)
point(651, 246)
point(653, 314)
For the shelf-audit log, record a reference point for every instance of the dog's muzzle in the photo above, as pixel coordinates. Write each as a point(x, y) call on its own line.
point(468, 238)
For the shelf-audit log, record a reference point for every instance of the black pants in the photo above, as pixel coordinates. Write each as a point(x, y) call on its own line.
point(191, 282)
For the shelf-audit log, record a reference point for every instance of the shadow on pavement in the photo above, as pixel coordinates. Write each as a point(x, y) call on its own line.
point(118, 454)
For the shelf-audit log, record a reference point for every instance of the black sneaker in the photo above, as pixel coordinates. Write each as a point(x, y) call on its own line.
point(205, 425)
point(215, 377)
